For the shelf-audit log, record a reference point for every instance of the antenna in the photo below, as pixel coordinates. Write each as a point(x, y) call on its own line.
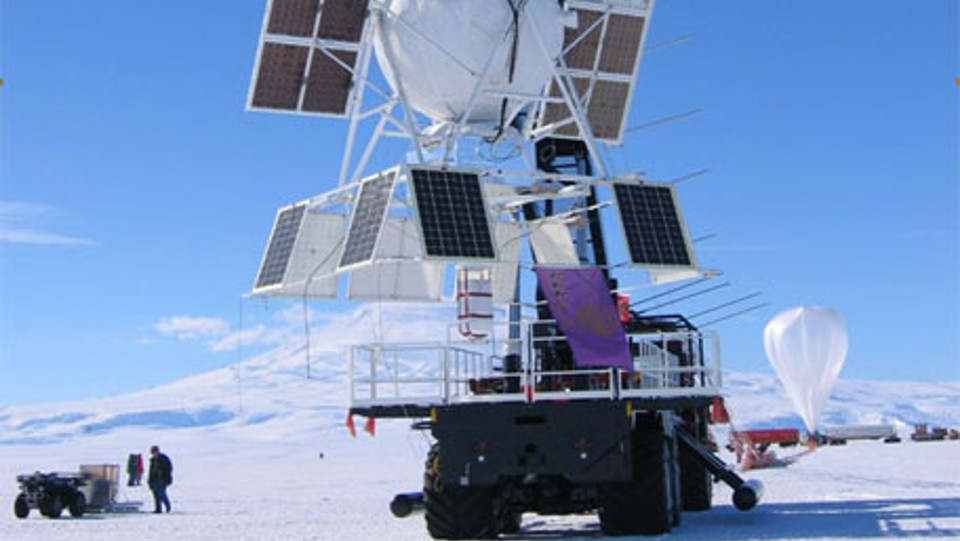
point(686, 297)
point(664, 120)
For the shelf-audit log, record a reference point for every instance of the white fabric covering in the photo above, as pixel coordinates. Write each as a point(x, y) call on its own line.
point(398, 272)
point(552, 243)
point(509, 238)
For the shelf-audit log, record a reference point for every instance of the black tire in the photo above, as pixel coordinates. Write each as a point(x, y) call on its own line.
point(675, 498)
point(510, 522)
point(695, 479)
point(643, 505)
point(20, 507)
point(51, 506)
point(79, 505)
point(454, 512)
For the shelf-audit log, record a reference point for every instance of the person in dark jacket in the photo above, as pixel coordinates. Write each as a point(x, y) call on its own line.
point(159, 477)
point(131, 470)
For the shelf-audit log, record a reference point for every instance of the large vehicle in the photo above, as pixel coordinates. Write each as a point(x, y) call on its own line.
point(549, 393)
point(839, 435)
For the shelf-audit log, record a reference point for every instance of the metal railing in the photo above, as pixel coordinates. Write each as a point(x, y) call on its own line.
point(426, 374)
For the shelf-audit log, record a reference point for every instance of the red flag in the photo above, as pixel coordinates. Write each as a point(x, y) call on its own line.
point(370, 426)
point(352, 429)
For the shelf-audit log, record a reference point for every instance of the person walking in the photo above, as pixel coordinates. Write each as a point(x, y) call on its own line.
point(159, 478)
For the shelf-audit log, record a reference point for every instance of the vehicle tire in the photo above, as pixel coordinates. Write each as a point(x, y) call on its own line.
point(696, 480)
point(79, 505)
point(697, 483)
point(454, 512)
point(641, 506)
point(20, 507)
point(510, 522)
point(675, 500)
point(51, 506)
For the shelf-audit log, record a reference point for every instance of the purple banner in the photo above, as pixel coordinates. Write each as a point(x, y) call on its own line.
point(585, 312)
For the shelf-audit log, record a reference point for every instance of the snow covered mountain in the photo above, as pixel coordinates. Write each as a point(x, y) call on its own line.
point(273, 390)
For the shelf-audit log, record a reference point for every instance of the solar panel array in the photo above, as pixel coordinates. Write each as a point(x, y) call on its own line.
point(367, 220)
point(452, 213)
point(277, 257)
point(601, 57)
point(308, 54)
point(653, 226)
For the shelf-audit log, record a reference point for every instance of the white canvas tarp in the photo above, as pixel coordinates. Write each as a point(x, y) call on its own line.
point(398, 272)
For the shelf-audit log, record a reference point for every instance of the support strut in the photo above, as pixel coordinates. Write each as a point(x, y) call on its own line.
point(746, 494)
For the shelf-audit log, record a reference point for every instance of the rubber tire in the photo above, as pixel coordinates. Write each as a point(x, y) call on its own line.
point(79, 505)
point(673, 467)
point(697, 483)
point(696, 480)
point(641, 506)
point(510, 522)
point(454, 512)
point(20, 507)
point(51, 507)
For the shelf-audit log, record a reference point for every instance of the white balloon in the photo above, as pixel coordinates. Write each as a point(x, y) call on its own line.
point(807, 346)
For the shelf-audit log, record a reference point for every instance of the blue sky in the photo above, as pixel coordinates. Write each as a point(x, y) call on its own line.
point(136, 194)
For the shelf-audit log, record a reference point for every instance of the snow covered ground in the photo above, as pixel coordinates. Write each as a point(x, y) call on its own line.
point(270, 458)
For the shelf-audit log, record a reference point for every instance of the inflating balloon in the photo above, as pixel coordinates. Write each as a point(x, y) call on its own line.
point(807, 346)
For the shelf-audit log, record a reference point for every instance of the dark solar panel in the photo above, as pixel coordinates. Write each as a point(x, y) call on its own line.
point(282, 239)
point(559, 112)
point(652, 225)
point(601, 57)
point(292, 17)
point(582, 46)
point(329, 83)
point(280, 76)
point(342, 20)
point(607, 108)
point(306, 62)
point(367, 219)
point(621, 44)
point(452, 214)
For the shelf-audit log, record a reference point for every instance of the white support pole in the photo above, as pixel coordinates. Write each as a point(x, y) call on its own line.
point(408, 115)
point(354, 107)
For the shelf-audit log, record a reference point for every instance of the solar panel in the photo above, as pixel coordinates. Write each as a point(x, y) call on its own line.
point(342, 20)
point(273, 267)
point(654, 229)
point(292, 17)
point(308, 56)
point(452, 213)
point(367, 220)
point(601, 57)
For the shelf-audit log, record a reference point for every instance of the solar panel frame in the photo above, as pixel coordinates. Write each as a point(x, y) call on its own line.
point(276, 257)
point(367, 219)
point(452, 214)
point(600, 63)
point(308, 57)
point(654, 230)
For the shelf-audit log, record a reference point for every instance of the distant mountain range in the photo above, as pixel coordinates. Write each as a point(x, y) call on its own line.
point(271, 392)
